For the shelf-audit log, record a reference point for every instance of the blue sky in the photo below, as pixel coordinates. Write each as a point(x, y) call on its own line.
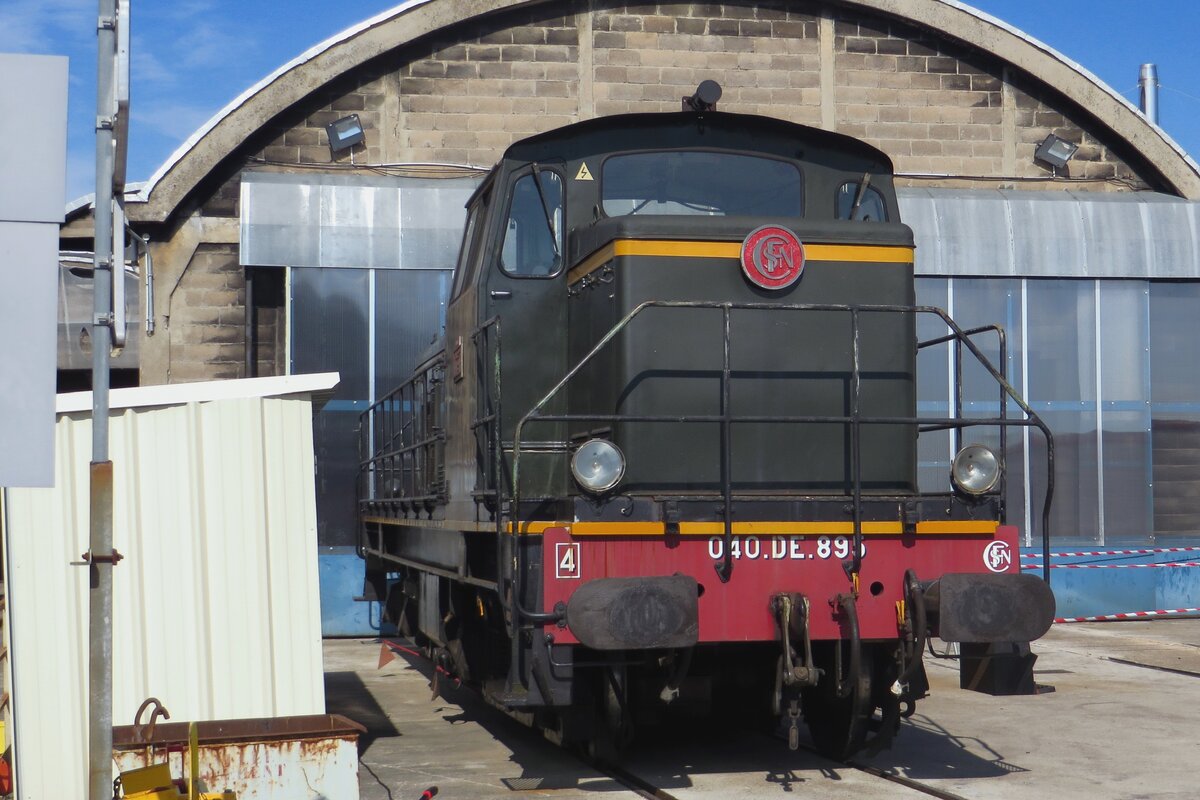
point(191, 57)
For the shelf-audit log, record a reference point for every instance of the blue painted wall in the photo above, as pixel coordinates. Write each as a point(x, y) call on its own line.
point(1109, 590)
point(341, 574)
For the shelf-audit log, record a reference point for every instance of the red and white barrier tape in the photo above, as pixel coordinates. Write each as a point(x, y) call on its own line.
point(1166, 612)
point(1116, 566)
point(1116, 552)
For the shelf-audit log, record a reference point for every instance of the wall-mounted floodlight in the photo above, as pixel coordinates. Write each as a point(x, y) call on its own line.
point(344, 133)
point(1055, 151)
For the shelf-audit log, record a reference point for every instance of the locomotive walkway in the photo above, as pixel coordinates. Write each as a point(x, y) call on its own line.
point(1117, 719)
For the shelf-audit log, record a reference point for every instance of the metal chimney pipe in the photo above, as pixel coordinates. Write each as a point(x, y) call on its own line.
point(1148, 84)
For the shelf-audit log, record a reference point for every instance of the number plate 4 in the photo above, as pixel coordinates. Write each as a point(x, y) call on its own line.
point(566, 560)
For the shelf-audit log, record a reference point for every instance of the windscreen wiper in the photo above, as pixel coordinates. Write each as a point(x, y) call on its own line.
point(858, 198)
point(537, 183)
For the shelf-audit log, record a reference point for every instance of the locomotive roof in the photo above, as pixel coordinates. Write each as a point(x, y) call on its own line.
point(687, 129)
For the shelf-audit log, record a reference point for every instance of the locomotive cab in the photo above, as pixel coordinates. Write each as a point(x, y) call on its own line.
point(671, 434)
point(598, 222)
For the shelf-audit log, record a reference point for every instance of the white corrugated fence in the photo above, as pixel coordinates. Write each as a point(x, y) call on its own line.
point(216, 606)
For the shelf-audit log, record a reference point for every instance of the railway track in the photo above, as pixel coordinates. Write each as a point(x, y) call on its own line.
point(649, 791)
point(689, 759)
point(909, 783)
point(646, 788)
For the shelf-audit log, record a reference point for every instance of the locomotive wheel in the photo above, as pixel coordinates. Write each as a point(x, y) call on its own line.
point(613, 728)
point(838, 725)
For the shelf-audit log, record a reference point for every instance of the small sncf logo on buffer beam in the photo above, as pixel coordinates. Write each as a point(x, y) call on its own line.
point(997, 556)
point(772, 257)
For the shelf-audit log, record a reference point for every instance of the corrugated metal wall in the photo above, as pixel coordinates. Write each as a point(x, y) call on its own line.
point(216, 607)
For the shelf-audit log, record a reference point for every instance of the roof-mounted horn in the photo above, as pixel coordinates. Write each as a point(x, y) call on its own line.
point(705, 99)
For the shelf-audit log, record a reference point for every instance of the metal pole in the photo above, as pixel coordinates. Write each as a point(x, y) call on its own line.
point(100, 561)
point(1148, 86)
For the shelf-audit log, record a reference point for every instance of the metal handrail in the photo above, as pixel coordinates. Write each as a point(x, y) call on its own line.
point(855, 419)
point(1002, 338)
point(374, 427)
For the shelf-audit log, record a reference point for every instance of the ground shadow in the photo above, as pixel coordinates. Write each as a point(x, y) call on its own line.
point(926, 750)
point(346, 694)
point(677, 751)
point(538, 764)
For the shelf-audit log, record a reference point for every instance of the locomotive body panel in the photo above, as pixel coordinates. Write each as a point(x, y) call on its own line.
point(783, 363)
point(770, 565)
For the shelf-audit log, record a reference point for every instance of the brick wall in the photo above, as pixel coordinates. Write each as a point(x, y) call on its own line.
point(766, 59)
point(935, 107)
point(206, 318)
point(932, 110)
point(465, 93)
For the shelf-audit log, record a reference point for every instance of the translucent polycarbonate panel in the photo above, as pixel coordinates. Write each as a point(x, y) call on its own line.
point(1124, 330)
point(216, 601)
point(1075, 512)
point(979, 303)
point(1061, 325)
point(933, 389)
point(381, 221)
point(1128, 494)
point(330, 319)
point(1019, 233)
point(1175, 408)
point(432, 216)
point(410, 315)
point(1125, 411)
point(1114, 354)
point(1061, 321)
point(330, 316)
point(335, 431)
point(1174, 354)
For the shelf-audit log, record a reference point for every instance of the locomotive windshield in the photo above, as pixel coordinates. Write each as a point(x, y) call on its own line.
point(700, 183)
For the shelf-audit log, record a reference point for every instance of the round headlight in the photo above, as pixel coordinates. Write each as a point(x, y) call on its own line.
point(598, 465)
point(975, 470)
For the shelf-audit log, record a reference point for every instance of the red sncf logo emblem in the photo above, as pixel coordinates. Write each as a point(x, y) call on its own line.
point(772, 257)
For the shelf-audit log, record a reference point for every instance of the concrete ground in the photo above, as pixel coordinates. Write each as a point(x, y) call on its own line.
point(465, 748)
point(1116, 719)
point(1114, 722)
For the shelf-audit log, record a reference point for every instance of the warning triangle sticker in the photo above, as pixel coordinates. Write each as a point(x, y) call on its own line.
point(584, 173)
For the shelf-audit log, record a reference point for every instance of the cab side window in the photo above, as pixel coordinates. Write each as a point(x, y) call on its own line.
point(468, 254)
point(533, 233)
point(871, 207)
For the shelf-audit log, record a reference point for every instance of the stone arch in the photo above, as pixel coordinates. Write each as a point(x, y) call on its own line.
point(947, 20)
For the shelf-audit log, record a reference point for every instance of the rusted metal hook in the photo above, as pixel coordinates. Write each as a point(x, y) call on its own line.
point(147, 733)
